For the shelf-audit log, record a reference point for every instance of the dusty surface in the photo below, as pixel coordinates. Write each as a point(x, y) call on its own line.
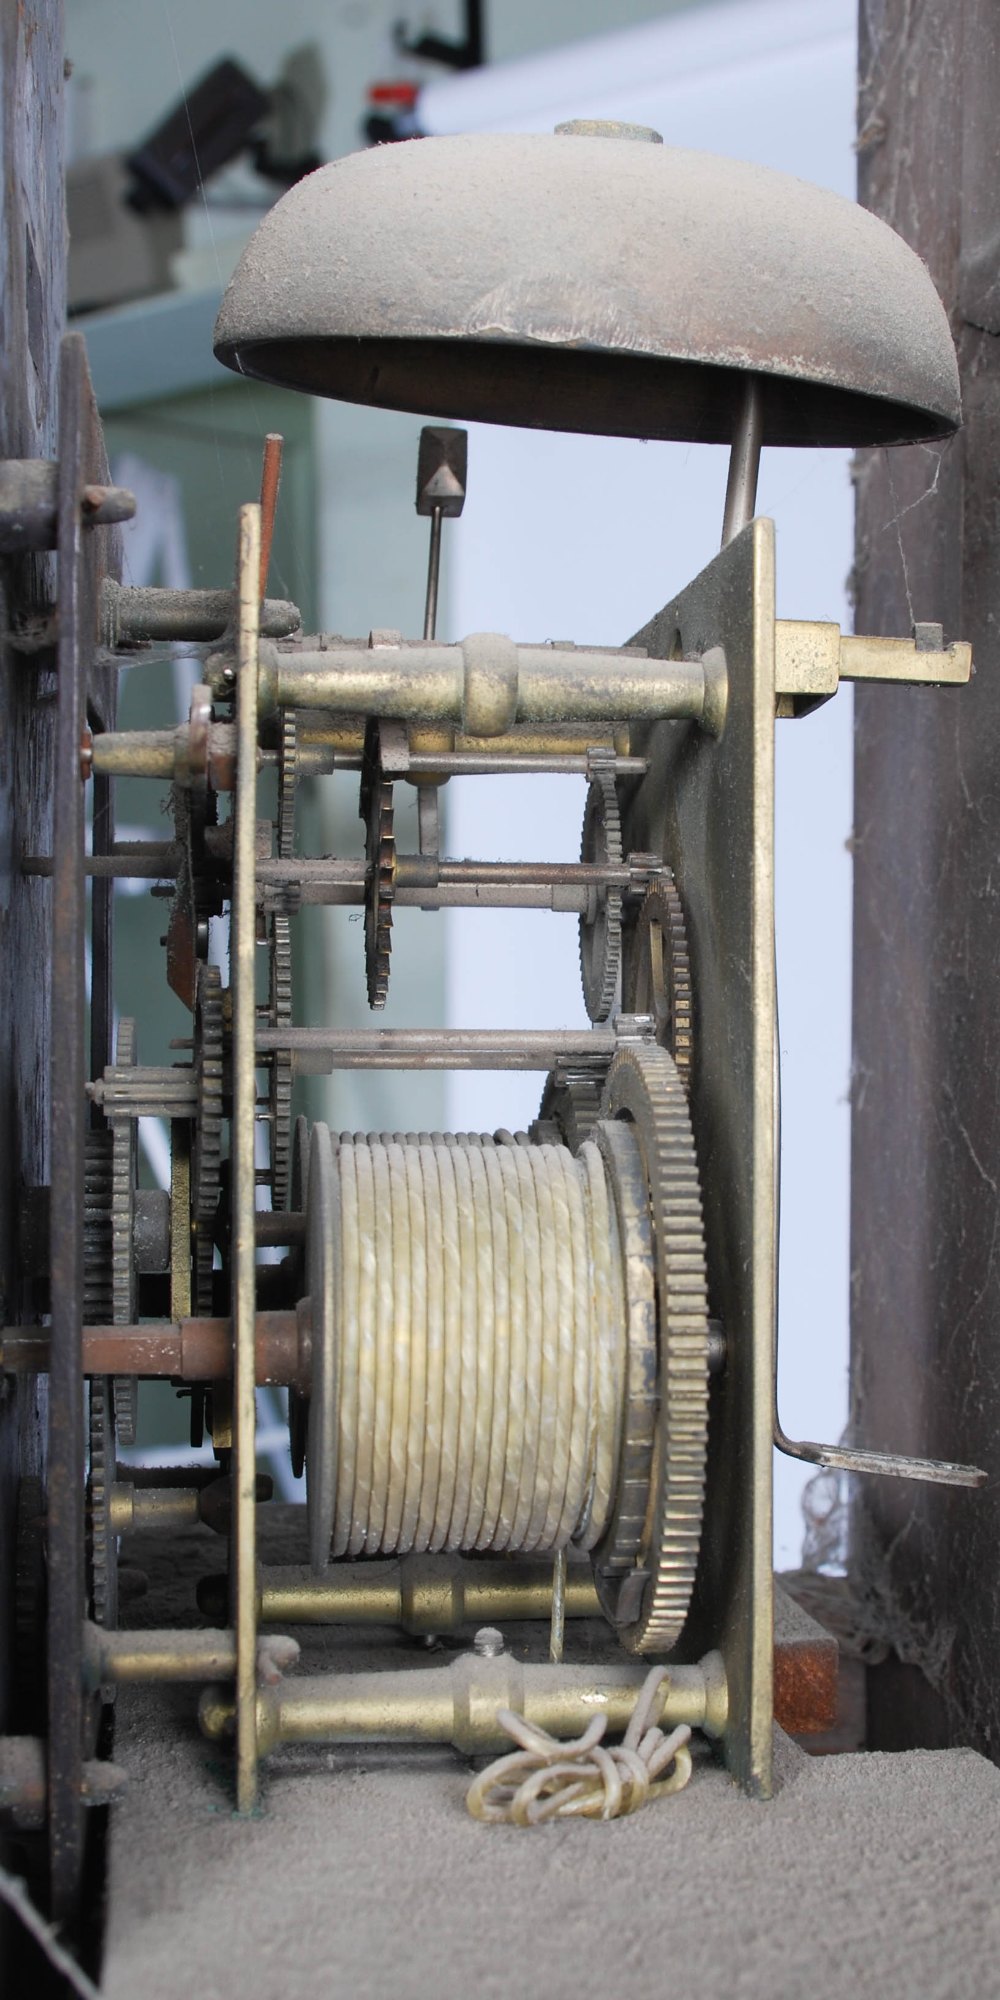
point(363, 1876)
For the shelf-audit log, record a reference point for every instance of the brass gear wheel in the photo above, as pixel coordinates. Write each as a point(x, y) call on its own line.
point(601, 928)
point(288, 774)
point(97, 1257)
point(110, 1176)
point(572, 1106)
point(124, 1175)
point(649, 1604)
point(101, 1540)
point(206, 1149)
point(376, 809)
point(658, 980)
point(280, 1085)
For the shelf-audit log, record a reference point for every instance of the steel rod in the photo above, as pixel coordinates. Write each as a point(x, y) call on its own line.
point(419, 871)
point(477, 764)
point(744, 460)
point(558, 1613)
point(572, 897)
point(430, 883)
point(480, 874)
point(116, 866)
point(445, 1048)
point(433, 573)
point(342, 892)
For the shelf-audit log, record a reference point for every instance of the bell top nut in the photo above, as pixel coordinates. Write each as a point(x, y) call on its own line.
point(442, 466)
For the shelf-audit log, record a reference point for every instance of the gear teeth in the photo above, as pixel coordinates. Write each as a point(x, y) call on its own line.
point(573, 1106)
point(660, 981)
point(109, 1226)
point(102, 1542)
point(206, 1152)
point(112, 1403)
point(126, 1411)
point(280, 1091)
point(97, 1254)
point(601, 937)
point(288, 757)
point(644, 1084)
point(376, 808)
point(123, 1161)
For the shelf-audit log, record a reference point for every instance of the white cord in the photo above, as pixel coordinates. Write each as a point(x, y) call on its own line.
point(471, 1270)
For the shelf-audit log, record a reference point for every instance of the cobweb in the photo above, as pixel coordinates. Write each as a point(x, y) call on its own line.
point(825, 1508)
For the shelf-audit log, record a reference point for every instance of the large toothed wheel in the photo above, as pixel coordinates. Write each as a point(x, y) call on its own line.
point(206, 1151)
point(648, 1602)
point(110, 1177)
point(124, 1175)
point(281, 1078)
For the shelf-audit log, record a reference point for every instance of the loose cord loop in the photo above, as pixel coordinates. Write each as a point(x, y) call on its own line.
point(546, 1779)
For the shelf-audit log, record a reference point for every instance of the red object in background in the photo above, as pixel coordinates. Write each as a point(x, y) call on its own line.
point(403, 95)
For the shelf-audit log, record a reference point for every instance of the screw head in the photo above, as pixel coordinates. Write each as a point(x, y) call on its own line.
point(488, 1642)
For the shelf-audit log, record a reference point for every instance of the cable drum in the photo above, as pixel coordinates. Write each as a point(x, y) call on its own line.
point(470, 1313)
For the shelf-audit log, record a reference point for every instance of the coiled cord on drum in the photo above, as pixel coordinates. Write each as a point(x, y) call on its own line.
point(479, 1327)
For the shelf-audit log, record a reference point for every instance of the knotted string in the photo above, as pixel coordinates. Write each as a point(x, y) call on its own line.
point(548, 1779)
